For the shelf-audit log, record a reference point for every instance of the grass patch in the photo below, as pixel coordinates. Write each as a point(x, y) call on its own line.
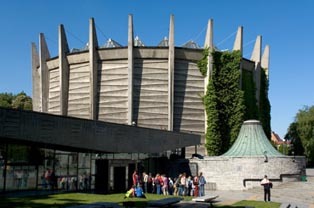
point(256, 204)
point(71, 199)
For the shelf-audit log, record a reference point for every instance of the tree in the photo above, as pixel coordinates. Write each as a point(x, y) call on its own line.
point(22, 101)
point(294, 137)
point(305, 129)
point(6, 100)
point(17, 153)
point(19, 101)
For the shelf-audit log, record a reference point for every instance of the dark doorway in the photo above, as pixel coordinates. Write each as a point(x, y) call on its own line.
point(102, 176)
point(119, 179)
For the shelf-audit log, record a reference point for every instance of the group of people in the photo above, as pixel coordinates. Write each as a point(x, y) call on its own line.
point(182, 185)
point(49, 179)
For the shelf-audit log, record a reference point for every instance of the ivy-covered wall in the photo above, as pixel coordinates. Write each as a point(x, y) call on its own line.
point(224, 102)
point(264, 104)
point(249, 90)
point(227, 103)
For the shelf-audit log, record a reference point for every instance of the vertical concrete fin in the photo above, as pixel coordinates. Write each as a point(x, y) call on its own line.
point(93, 65)
point(257, 50)
point(171, 74)
point(63, 71)
point(35, 78)
point(209, 41)
point(238, 43)
point(130, 69)
point(256, 57)
point(265, 60)
point(44, 55)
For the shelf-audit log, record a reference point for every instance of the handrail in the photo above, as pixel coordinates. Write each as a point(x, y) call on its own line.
point(271, 179)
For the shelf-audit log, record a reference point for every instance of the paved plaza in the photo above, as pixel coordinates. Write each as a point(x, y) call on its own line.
point(296, 194)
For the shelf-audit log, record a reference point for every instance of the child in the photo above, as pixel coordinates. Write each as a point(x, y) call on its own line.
point(130, 193)
point(139, 192)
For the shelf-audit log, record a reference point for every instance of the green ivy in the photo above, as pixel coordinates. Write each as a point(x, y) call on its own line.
point(202, 63)
point(248, 86)
point(264, 104)
point(224, 102)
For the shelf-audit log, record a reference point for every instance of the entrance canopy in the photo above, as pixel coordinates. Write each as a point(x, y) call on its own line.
point(70, 133)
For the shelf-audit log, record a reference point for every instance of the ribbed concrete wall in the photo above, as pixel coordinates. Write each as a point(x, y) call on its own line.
point(113, 91)
point(150, 88)
point(54, 91)
point(188, 89)
point(150, 91)
point(79, 87)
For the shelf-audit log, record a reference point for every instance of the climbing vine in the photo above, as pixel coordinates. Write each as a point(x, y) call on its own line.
point(228, 103)
point(203, 62)
point(264, 104)
point(249, 89)
point(224, 102)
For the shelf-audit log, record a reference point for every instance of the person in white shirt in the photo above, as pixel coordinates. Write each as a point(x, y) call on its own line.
point(267, 186)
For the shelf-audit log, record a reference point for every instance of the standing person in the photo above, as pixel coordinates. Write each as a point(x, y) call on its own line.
point(176, 185)
point(201, 184)
point(145, 180)
point(182, 191)
point(150, 183)
point(267, 186)
point(196, 187)
point(165, 186)
point(157, 181)
point(135, 178)
point(189, 185)
point(47, 178)
point(170, 186)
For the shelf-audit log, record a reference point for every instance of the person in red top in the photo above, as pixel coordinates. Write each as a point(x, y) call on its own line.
point(135, 178)
point(196, 187)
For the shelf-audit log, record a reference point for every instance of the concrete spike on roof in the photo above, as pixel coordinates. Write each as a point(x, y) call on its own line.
point(164, 42)
point(111, 44)
point(138, 42)
point(191, 44)
point(252, 141)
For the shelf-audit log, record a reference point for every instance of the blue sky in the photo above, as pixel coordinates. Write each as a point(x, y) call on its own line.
point(287, 26)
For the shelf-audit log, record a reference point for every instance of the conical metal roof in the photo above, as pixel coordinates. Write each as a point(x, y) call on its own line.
point(252, 141)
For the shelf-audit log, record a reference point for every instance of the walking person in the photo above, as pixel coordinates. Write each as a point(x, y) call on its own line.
point(267, 186)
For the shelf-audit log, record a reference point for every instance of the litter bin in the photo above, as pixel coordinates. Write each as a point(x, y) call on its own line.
point(303, 178)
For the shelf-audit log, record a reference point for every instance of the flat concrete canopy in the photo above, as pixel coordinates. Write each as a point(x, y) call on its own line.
point(52, 131)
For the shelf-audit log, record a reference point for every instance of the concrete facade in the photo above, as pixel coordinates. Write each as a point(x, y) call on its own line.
point(153, 87)
point(86, 135)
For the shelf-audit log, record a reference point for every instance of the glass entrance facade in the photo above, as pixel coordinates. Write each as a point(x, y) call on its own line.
point(31, 168)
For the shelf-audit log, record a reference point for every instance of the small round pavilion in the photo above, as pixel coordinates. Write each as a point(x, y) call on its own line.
point(250, 158)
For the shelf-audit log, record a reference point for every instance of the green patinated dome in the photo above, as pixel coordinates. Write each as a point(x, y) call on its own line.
point(252, 141)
